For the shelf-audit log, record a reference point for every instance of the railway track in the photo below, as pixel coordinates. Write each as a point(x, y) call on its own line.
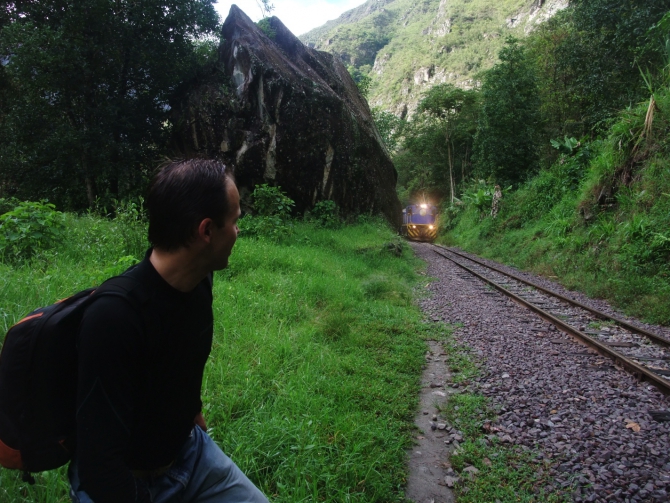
point(643, 353)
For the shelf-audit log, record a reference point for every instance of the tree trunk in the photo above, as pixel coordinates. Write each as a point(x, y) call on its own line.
point(90, 191)
point(89, 180)
point(450, 158)
point(119, 95)
point(465, 161)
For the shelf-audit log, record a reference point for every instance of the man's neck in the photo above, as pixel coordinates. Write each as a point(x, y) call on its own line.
point(180, 268)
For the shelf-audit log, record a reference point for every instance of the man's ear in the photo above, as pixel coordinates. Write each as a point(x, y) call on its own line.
point(205, 230)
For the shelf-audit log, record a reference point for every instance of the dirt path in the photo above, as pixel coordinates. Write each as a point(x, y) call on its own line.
point(428, 465)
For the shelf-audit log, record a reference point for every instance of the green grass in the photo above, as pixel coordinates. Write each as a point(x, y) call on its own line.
point(507, 474)
point(313, 379)
point(603, 259)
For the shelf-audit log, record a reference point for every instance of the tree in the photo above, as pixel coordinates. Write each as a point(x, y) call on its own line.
point(590, 59)
point(390, 128)
point(457, 110)
point(92, 82)
point(264, 23)
point(266, 7)
point(505, 146)
point(421, 159)
point(361, 79)
point(611, 45)
point(561, 106)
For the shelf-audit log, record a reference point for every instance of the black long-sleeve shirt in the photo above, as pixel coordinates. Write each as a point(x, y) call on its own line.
point(140, 374)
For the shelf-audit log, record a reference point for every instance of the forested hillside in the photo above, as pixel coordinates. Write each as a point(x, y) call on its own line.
point(405, 46)
point(571, 125)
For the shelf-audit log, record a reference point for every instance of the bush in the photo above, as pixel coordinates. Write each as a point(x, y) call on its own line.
point(479, 195)
point(271, 201)
point(450, 215)
point(325, 214)
point(132, 217)
point(266, 27)
point(8, 204)
point(273, 214)
point(29, 228)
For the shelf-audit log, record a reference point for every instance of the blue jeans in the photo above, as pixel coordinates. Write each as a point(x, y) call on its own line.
point(202, 473)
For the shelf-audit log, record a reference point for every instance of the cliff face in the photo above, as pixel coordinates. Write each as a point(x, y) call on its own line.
point(288, 115)
point(406, 46)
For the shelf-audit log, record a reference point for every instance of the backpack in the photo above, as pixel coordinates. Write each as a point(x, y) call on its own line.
point(38, 380)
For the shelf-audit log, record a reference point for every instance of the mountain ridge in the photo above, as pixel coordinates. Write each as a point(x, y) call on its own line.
point(406, 46)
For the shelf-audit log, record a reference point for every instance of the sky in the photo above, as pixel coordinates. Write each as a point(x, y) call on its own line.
point(299, 16)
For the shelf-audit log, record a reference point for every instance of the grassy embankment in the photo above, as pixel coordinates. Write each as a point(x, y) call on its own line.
point(598, 219)
point(313, 378)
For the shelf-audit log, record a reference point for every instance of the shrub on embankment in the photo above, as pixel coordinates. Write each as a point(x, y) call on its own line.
point(598, 219)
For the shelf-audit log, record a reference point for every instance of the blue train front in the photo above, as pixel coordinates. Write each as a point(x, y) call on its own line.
point(419, 222)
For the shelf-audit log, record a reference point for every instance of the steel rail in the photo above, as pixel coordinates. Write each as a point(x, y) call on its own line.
point(623, 323)
point(637, 370)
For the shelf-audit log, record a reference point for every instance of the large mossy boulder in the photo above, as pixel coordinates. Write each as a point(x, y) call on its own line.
point(287, 115)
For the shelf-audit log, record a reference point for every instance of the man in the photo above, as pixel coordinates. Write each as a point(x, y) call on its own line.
point(141, 363)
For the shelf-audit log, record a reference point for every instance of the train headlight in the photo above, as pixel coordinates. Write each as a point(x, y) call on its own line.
point(424, 206)
point(430, 227)
point(414, 227)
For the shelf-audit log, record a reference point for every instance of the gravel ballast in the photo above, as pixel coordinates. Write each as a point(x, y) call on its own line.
point(588, 421)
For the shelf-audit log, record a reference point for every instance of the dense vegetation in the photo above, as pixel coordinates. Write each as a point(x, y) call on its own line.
point(404, 44)
point(572, 124)
point(85, 93)
point(597, 218)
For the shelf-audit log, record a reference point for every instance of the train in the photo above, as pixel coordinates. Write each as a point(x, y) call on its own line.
point(419, 222)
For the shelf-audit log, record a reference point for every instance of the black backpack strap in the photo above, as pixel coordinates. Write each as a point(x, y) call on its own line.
point(137, 295)
point(124, 286)
point(134, 292)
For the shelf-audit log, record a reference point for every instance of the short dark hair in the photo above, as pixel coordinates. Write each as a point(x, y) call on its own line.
point(181, 195)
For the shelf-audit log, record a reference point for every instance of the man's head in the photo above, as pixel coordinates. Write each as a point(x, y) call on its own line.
point(191, 199)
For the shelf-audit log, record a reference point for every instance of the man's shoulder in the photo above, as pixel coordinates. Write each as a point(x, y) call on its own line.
point(112, 310)
point(120, 305)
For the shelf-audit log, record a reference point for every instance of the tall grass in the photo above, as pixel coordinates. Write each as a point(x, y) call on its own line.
point(312, 381)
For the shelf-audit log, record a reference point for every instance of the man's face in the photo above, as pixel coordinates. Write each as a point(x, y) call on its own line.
point(224, 237)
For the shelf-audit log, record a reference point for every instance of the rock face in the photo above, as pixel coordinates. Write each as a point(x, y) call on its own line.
point(287, 115)
point(407, 37)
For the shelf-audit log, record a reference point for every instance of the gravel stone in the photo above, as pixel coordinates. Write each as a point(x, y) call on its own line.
point(574, 407)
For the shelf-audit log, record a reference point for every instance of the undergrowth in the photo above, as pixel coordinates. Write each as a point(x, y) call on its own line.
point(598, 219)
